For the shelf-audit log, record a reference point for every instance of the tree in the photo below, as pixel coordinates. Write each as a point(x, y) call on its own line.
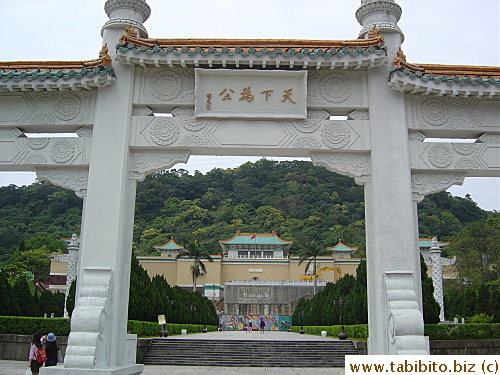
point(430, 306)
point(26, 300)
point(197, 252)
point(309, 253)
point(70, 299)
point(477, 247)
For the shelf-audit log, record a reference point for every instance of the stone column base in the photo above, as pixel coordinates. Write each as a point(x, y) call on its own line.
point(118, 370)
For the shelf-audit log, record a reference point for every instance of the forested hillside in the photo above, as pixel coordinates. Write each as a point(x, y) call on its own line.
point(299, 201)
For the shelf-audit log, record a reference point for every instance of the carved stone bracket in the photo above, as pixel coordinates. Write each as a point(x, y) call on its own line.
point(146, 162)
point(355, 165)
point(69, 178)
point(429, 183)
point(405, 338)
point(88, 340)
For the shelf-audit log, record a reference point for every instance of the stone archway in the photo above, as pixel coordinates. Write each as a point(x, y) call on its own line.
point(282, 94)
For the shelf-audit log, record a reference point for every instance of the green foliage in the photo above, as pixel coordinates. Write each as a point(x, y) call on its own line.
point(355, 331)
point(151, 329)
point(462, 331)
point(197, 252)
point(481, 318)
point(431, 307)
point(434, 331)
point(27, 326)
point(466, 302)
point(477, 247)
point(149, 298)
point(322, 310)
point(70, 301)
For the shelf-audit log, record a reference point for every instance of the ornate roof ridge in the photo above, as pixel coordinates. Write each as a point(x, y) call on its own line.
point(57, 69)
point(247, 43)
point(239, 234)
point(446, 72)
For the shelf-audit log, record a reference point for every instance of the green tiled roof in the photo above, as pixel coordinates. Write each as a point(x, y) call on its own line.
point(260, 239)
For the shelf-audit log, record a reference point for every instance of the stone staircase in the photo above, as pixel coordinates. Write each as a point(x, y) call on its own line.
point(248, 353)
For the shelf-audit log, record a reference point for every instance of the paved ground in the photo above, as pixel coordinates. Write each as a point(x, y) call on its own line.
point(19, 367)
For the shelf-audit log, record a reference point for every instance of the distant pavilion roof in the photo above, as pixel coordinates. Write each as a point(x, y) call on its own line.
point(341, 247)
point(170, 245)
point(427, 242)
point(259, 239)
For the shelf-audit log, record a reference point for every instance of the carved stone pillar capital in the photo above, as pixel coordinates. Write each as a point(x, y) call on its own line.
point(145, 162)
point(355, 165)
point(69, 178)
point(429, 183)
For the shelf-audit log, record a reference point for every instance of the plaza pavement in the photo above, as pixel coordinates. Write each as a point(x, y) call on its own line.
point(19, 367)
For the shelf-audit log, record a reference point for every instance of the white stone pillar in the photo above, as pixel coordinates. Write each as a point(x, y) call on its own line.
point(72, 268)
point(395, 319)
point(437, 276)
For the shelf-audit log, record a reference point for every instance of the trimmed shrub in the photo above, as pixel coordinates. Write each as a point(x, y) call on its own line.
point(21, 325)
point(469, 331)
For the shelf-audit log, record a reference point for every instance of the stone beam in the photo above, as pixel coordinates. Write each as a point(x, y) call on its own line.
point(28, 154)
point(474, 159)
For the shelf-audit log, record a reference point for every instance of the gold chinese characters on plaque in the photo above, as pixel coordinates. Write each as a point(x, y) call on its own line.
point(250, 93)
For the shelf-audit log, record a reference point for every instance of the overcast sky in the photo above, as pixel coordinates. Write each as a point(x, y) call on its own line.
point(436, 31)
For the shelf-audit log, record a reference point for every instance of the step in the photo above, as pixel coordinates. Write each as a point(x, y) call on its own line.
point(228, 353)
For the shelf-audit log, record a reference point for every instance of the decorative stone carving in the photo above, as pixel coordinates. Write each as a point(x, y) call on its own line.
point(10, 133)
point(402, 304)
point(435, 112)
point(62, 151)
point(489, 138)
point(313, 121)
point(35, 159)
point(336, 134)
point(37, 143)
point(90, 320)
point(164, 131)
point(359, 114)
point(67, 107)
point(430, 183)
point(144, 163)
point(69, 178)
point(194, 140)
point(84, 132)
point(43, 119)
point(174, 85)
point(306, 142)
point(464, 148)
point(142, 111)
point(166, 85)
point(440, 155)
point(416, 137)
point(466, 164)
point(355, 165)
point(335, 87)
point(188, 121)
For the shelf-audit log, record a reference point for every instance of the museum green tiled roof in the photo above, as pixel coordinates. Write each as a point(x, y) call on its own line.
point(427, 242)
point(170, 245)
point(341, 247)
point(259, 239)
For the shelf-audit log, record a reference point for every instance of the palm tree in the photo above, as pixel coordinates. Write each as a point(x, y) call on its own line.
point(197, 252)
point(309, 253)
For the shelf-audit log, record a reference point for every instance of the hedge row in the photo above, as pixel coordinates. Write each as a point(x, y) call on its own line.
point(20, 325)
point(358, 331)
point(469, 331)
point(152, 329)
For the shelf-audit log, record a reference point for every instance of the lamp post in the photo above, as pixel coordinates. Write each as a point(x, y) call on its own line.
point(340, 303)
